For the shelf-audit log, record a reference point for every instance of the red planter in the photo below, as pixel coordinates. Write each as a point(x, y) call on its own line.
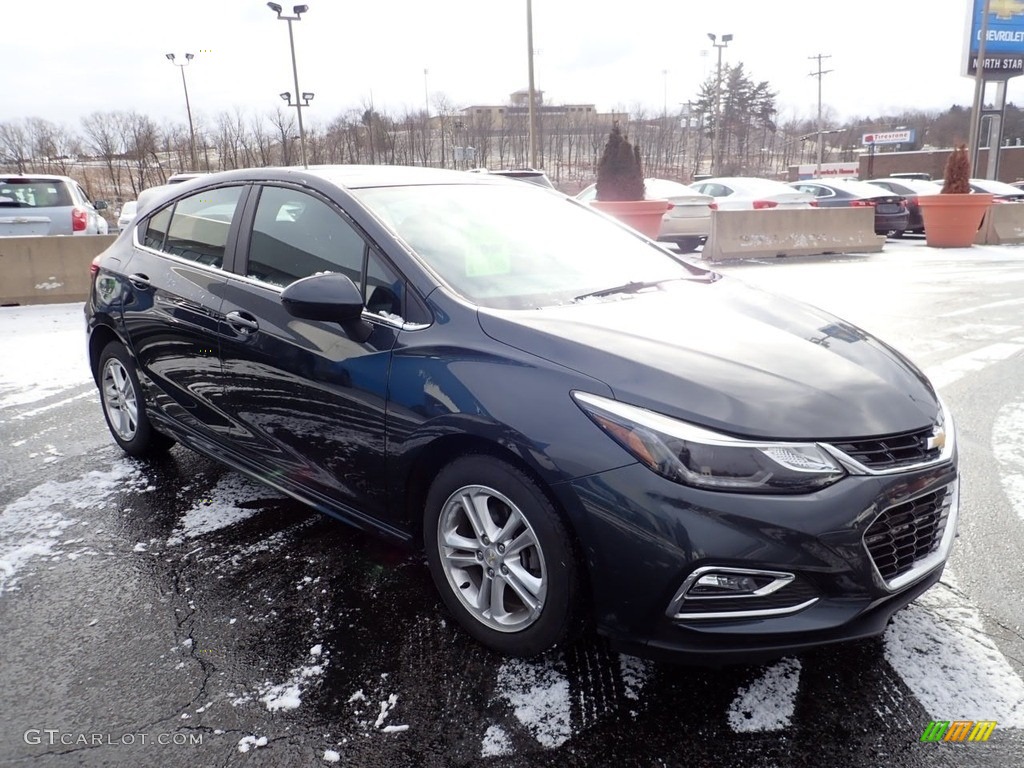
point(642, 215)
point(953, 221)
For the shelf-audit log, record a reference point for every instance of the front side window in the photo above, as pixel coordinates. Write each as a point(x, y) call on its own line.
point(296, 235)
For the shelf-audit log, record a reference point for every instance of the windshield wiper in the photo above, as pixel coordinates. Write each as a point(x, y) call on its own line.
point(634, 286)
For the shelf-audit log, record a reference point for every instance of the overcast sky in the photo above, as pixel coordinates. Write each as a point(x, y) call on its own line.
point(62, 59)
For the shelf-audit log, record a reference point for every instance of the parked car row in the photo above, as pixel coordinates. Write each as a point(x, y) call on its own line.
point(894, 201)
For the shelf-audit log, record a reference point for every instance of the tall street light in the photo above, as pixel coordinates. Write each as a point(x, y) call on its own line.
point(716, 132)
point(301, 99)
point(188, 107)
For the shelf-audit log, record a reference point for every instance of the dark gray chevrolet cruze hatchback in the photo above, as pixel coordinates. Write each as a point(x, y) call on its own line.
point(569, 420)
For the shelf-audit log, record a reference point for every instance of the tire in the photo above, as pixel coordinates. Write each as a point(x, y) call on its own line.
point(123, 406)
point(488, 523)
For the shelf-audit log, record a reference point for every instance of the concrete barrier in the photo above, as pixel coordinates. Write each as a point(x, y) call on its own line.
point(1003, 225)
point(47, 270)
point(802, 232)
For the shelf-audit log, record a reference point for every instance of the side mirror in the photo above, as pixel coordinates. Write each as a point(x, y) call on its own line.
point(328, 297)
point(100, 205)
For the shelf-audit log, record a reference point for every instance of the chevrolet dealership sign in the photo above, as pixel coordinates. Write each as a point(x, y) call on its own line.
point(1004, 40)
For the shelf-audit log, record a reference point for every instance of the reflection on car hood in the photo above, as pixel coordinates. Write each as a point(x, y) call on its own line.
point(731, 358)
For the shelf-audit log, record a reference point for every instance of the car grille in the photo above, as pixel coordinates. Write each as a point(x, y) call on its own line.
point(907, 533)
point(795, 593)
point(892, 451)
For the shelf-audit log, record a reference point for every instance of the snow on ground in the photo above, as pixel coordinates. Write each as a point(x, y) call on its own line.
point(634, 673)
point(288, 695)
point(57, 328)
point(1008, 448)
point(939, 647)
point(496, 743)
point(224, 505)
point(32, 525)
point(768, 703)
point(539, 695)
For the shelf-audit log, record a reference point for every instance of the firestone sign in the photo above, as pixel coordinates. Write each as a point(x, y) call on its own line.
point(888, 137)
point(1004, 41)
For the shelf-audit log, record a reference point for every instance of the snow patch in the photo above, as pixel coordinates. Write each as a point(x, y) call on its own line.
point(57, 328)
point(939, 647)
point(767, 704)
point(539, 695)
point(634, 673)
point(1008, 448)
point(223, 506)
point(331, 756)
point(251, 742)
point(288, 695)
point(32, 525)
point(496, 743)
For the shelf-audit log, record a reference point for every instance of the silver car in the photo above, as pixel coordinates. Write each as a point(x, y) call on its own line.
point(43, 204)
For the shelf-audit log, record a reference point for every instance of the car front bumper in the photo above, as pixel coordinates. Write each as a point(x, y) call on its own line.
point(643, 536)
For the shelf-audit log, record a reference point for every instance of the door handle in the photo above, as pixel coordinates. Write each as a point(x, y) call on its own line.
point(140, 281)
point(242, 323)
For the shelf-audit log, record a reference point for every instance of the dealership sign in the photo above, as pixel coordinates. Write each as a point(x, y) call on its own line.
point(889, 137)
point(1004, 39)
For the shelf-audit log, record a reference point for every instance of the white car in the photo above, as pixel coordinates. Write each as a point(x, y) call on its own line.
point(686, 224)
point(741, 193)
point(127, 215)
point(44, 204)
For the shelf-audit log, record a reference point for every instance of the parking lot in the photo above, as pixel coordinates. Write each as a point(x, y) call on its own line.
point(175, 613)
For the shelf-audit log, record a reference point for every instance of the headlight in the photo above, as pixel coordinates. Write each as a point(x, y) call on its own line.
point(704, 459)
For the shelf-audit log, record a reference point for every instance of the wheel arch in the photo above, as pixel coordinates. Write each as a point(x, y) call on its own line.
point(99, 338)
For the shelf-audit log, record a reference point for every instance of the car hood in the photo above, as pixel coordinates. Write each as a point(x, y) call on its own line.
point(731, 358)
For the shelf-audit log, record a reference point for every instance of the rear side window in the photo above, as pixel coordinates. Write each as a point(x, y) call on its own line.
point(35, 193)
point(196, 227)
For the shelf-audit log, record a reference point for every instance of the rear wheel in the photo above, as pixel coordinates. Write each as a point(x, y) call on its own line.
point(500, 556)
point(123, 406)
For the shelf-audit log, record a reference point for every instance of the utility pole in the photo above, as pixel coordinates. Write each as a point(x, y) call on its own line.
point(821, 127)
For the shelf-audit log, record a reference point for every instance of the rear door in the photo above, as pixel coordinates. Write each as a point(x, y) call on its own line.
point(306, 401)
point(172, 314)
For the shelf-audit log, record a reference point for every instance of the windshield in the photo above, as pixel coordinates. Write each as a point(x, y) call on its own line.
point(517, 246)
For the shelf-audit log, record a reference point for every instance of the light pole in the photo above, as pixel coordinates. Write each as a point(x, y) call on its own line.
point(532, 113)
point(716, 132)
point(301, 99)
point(188, 107)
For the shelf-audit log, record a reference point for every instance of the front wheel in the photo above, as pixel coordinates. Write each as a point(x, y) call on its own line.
point(500, 556)
point(123, 406)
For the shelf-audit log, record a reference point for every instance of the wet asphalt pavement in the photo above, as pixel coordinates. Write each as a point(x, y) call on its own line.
point(176, 614)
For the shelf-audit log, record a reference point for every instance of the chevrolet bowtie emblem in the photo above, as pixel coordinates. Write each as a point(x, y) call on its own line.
point(936, 440)
point(1006, 9)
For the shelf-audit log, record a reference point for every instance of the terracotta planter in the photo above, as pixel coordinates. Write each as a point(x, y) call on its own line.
point(642, 215)
point(953, 221)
